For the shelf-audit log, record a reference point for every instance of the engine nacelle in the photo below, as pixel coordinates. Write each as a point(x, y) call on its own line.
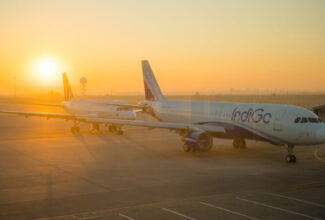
point(199, 140)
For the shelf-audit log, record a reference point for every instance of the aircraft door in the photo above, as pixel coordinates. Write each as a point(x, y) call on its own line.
point(278, 120)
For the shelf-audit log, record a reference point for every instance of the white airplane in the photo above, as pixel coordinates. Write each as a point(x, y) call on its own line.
point(80, 109)
point(199, 121)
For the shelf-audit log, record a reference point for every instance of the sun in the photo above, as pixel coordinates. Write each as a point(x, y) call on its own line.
point(46, 68)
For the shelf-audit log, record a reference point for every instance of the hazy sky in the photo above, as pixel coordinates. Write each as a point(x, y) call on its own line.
point(191, 45)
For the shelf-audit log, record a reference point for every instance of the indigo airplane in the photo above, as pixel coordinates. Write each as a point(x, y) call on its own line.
point(198, 122)
point(80, 109)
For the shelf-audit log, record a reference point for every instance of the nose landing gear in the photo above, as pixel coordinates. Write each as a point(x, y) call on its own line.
point(290, 158)
point(114, 128)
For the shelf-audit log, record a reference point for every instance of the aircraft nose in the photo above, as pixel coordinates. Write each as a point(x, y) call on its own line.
point(320, 135)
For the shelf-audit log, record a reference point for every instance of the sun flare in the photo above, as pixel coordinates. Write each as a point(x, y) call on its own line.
point(46, 68)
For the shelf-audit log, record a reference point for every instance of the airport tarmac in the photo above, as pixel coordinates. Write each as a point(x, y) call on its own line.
point(48, 173)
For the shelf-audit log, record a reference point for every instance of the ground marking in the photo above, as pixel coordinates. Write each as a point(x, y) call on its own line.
point(227, 210)
point(125, 216)
point(295, 199)
point(90, 181)
point(273, 207)
point(177, 213)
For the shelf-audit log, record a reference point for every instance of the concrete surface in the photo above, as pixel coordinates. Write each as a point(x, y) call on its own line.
point(46, 172)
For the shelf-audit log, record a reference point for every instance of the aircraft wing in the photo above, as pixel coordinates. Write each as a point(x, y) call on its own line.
point(46, 115)
point(148, 124)
point(126, 105)
point(45, 104)
point(32, 103)
point(164, 125)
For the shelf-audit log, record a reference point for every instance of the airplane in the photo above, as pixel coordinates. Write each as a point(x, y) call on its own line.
point(80, 109)
point(198, 122)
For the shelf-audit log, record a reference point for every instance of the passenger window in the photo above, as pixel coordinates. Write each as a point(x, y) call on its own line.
point(304, 120)
point(297, 120)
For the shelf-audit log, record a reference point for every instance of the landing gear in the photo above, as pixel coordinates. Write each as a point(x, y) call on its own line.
point(94, 128)
point(202, 145)
point(120, 132)
point(186, 148)
point(290, 158)
point(75, 129)
point(113, 128)
point(239, 143)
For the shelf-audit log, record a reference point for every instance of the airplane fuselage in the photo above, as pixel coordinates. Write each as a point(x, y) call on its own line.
point(274, 123)
point(98, 108)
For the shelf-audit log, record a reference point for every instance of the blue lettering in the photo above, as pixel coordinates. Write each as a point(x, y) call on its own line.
point(256, 116)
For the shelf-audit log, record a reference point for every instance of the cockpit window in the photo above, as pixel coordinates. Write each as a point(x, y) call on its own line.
point(304, 120)
point(314, 120)
point(297, 120)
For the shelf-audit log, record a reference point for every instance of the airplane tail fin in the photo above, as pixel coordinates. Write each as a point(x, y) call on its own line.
point(151, 87)
point(67, 88)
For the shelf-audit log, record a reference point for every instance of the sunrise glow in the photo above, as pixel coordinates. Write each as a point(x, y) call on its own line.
point(196, 46)
point(46, 68)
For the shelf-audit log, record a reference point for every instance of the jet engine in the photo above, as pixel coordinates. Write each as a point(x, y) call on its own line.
point(198, 141)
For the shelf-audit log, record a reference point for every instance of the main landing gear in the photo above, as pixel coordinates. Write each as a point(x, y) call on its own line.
point(239, 143)
point(290, 158)
point(94, 128)
point(114, 128)
point(75, 129)
point(187, 148)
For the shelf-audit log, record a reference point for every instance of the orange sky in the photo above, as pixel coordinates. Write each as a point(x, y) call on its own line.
point(205, 46)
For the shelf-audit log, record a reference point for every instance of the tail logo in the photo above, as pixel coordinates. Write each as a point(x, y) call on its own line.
point(148, 93)
point(151, 87)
